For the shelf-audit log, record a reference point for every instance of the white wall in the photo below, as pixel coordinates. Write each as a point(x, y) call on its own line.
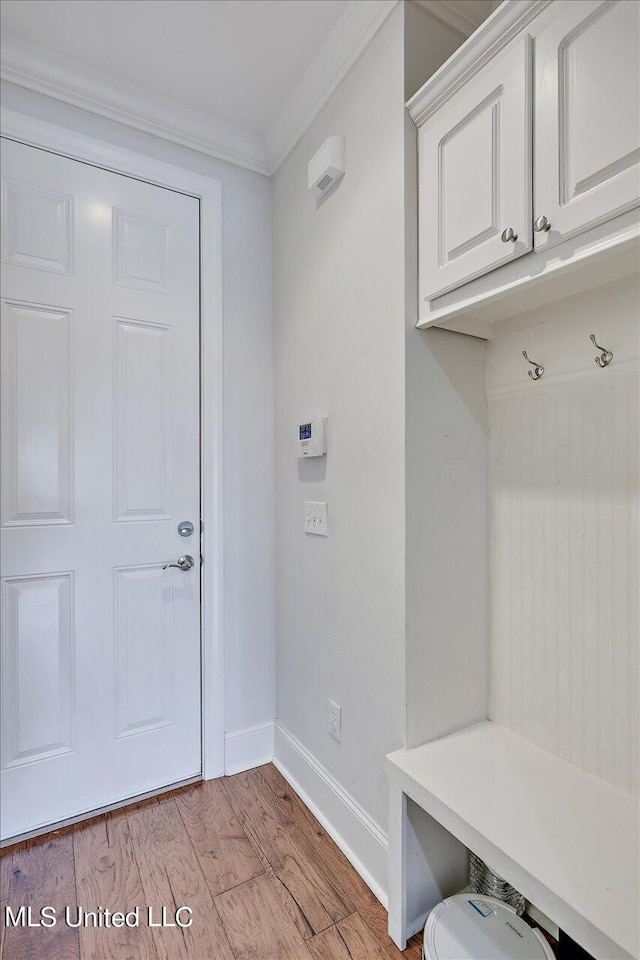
point(447, 477)
point(447, 503)
point(248, 408)
point(427, 44)
point(447, 534)
point(339, 351)
point(565, 573)
point(345, 288)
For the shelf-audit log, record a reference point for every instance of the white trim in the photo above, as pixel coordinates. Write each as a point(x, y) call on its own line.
point(353, 31)
point(571, 264)
point(248, 747)
point(620, 369)
point(363, 841)
point(38, 133)
point(485, 43)
point(32, 66)
point(471, 326)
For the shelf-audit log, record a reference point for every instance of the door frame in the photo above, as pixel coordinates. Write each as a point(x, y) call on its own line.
point(99, 153)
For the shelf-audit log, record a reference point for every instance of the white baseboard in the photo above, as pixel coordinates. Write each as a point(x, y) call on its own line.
point(248, 747)
point(363, 842)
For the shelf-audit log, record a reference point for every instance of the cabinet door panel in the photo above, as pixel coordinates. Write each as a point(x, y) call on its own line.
point(587, 128)
point(475, 175)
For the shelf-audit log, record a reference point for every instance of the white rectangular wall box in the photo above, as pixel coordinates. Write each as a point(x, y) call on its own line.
point(326, 167)
point(311, 437)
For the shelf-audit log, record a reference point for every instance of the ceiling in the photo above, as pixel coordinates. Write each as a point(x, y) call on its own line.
point(235, 60)
point(236, 79)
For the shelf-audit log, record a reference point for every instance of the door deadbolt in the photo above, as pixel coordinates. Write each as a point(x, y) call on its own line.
point(185, 528)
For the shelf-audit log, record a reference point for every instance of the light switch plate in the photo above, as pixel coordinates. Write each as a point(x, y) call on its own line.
point(315, 518)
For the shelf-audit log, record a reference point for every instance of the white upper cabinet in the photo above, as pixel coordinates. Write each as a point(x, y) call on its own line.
point(587, 133)
point(475, 175)
point(529, 159)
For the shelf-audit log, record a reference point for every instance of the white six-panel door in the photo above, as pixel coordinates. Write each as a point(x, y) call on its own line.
point(475, 176)
point(587, 129)
point(100, 462)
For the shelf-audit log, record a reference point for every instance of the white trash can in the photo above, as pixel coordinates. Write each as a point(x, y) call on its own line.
point(474, 927)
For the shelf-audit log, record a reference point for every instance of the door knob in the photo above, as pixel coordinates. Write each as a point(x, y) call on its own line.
point(542, 224)
point(184, 563)
point(509, 234)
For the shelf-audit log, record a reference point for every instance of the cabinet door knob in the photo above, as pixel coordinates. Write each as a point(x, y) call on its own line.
point(509, 234)
point(542, 224)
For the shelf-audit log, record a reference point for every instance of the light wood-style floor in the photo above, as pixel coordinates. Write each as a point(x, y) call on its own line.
point(264, 881)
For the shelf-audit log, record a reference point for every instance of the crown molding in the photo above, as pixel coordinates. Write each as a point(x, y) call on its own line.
point(487, 41)
point(37, 68)
point(458, 15)
point(352, 32)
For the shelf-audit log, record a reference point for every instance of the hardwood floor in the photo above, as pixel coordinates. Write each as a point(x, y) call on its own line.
point(262, 877)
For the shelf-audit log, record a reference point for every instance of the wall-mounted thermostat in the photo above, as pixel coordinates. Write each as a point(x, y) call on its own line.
point(311, 437)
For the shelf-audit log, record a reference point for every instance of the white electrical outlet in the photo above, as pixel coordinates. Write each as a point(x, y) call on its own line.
point(335, 721)
point(315, 518)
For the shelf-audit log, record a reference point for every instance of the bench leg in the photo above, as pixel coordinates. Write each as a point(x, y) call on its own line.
point(426, 864)
point(397, 864)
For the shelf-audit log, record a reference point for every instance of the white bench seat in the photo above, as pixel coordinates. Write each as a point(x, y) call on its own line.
point(564, 838)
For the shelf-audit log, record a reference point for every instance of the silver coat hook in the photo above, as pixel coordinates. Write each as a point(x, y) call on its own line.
point(538, 370)
point(605, 357)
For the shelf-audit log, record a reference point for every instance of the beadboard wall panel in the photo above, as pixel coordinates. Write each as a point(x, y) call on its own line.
point(565, 573)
